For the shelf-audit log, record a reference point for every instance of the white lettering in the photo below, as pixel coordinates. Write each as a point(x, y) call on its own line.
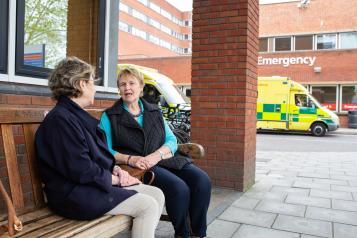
point(286, 62)
point(312, 60)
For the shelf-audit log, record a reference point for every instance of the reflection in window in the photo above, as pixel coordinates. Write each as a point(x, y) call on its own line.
point(45, 39)
point(123, 7)
point(349, 98)
point(283, 44)
point(139, 15)
point(263, 44)
point(326, 41)
point(123, 26)
point(138, 32)
point(348, 40)
point(325, 95)
point(3, 35)
point(303, 42)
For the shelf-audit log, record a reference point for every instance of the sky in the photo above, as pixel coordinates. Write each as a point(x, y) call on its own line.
point(182, 5)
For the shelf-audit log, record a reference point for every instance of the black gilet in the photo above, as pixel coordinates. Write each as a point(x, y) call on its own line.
point(128, 137)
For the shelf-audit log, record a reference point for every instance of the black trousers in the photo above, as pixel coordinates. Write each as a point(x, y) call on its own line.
point(187, 192)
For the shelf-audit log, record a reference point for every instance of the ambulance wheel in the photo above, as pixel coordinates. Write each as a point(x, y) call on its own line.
point(318, 129)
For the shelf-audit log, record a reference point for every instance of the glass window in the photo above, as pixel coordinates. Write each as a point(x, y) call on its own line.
point(66, 29)
point(145, 2)
point(166, 29)
point(349, 98)
point(154, 23)
point(123, 26)
point(155, 7)
point(165, 44)
point(154, 39)
point(283, 43)
point(326, 41)
point(325, 95)
point(139, 15)
point(348, 40)
point(304, 42)
point(263, 45)
point(123, 7)
point(138, 32)
point(166, 14)
point(3, 36)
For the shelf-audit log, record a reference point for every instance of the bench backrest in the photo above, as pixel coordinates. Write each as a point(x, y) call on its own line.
point(18, 127)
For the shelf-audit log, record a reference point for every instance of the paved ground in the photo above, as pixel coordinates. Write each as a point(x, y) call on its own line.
point(296, 195)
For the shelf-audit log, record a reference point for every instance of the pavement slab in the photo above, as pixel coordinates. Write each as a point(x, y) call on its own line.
point(332, 215)
point(303, 225)
point(344, 231)
point(247, 231)
point(331, 194)
point(281, 208)
point(245, 216)
point(308, 201)
point(246, 202)
point(222, 229)
point(344, 205)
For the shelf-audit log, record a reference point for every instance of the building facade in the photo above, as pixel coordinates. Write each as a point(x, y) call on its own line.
point(153, 28)
point(314, 43)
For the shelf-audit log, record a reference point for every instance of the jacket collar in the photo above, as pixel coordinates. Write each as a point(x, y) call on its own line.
point(85, 118)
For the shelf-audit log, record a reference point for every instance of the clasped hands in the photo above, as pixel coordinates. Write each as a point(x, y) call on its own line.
point(143, 162)
point(122, 178)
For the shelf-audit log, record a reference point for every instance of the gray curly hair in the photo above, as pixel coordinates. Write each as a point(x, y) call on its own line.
point(64, 79)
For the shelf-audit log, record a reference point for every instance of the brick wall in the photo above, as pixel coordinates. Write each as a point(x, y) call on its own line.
point(318, 16)
point(11, 100)
point(224, 89)
point(82, 30)
point(176, 68)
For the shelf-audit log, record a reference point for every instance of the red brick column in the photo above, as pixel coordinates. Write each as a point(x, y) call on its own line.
point(224, 89)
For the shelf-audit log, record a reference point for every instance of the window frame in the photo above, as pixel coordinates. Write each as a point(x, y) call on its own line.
point(4, 22)
point(280, 37)
point(42, 73)
point(313, 42)
point(267, 45)
point(328, 85)
point(336, 40)
point(340, 40)
point(341, 96)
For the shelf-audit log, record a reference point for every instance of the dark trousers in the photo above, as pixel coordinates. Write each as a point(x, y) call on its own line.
point(187, 192)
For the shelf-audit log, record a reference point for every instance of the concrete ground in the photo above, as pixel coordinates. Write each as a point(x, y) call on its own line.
point(296, 195)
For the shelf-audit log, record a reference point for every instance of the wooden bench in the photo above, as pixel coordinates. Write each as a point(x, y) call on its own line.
point(18, 127)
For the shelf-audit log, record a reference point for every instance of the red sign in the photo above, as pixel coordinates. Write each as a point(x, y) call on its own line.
point(331, 106)
point(349, 106)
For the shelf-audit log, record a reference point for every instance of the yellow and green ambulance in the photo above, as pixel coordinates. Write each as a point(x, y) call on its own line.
point(286, 105)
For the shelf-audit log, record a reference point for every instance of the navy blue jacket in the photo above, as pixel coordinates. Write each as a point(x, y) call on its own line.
point(75, 164)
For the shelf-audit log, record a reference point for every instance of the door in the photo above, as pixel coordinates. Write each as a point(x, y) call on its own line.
point(302, 112)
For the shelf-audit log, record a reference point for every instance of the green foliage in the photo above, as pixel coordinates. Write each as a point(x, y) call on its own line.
point(46, 23)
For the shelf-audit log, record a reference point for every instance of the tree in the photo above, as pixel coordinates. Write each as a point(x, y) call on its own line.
point(46, 23)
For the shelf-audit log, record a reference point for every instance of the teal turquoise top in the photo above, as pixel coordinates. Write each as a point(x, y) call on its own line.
point(170, 138)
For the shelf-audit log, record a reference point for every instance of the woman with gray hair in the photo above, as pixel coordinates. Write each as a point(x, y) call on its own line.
point(80, 176)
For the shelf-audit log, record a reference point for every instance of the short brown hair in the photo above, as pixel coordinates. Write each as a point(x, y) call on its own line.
point(64, 79)
point(131, 71)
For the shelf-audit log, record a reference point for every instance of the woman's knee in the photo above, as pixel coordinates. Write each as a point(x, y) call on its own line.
point(202, 182)
point(159, 196)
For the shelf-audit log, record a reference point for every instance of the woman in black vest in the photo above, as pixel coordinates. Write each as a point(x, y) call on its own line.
point(79, 172)
point(138, 135)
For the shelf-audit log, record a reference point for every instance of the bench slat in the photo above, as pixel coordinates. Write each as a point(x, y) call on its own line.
point(109, 228)
point(29, 133)
point(21, 115)
point(37, 225)
point(69, 231)
point(12, 167)
point(50, 228)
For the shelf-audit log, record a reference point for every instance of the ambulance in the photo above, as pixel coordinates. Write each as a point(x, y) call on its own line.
point(160, 88)
point(286, 105)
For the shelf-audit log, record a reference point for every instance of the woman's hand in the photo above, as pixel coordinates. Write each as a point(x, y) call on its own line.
point(123, 178)
point(137, 162)
point(115, 180)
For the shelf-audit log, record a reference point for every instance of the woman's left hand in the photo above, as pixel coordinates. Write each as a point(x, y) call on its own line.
point(149, 162)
